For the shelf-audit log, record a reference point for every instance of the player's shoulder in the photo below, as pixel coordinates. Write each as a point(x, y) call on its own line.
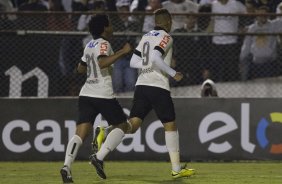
point(95, 43)
point(167, 35)
point(103, 41)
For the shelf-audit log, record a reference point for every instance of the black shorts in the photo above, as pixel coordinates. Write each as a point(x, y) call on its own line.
point(90, 107)
point(147, 98)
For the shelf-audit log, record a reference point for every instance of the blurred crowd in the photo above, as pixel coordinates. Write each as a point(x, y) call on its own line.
point(219, 57)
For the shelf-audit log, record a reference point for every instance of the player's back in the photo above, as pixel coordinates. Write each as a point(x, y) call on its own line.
point(99, 82)
point(150, 75)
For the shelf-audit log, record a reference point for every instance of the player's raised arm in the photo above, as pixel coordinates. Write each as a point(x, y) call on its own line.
point(105, 61)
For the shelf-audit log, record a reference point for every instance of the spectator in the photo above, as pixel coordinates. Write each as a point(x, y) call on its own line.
point(208, 89)
point(271, 4)
point(139, 5)
point(224, 62)
point(190, 52)
point(279, 9)
point(203, 21)
point(179, 6)
point(69, 46)
point(149, 21)
point(57, 22)
point(98, 5)
point(259, 53)
point(250, 8)
point(82, 25)
point(30, 22)
point(124, 77)
point(7, 21)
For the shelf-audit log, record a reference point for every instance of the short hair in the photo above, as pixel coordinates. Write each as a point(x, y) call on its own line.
point(161, 16)
point(161, 11)
point(97, 24)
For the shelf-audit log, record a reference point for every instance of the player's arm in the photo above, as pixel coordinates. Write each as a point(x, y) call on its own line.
point(106, 61)
point(81, 68)
point(136, 60)
point(157, 60)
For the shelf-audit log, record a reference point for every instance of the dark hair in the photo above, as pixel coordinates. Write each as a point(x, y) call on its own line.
point(97, 24)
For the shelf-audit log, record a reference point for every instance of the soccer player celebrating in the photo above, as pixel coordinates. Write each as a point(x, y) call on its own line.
point(153, 57)
point(96, 95)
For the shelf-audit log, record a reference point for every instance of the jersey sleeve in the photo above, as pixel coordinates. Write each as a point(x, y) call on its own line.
point(103, 49)
point(83, 58)
point(165, 44)
point(138, 49)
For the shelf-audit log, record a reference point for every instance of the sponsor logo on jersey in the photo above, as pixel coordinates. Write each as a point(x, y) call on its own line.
point(92, 44)
point(164, 41)
point(152, 33)
point(103, 48)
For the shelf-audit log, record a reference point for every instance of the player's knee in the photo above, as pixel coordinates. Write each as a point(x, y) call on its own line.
point(135, 123)
point(170, 126)
point(123, 126)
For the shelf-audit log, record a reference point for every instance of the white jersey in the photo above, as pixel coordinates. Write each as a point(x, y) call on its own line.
point(99, 81)
point(149, 75)
point(226, 24)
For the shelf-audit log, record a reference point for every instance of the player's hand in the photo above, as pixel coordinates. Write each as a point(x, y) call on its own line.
point(178, 76)
point(127, 48)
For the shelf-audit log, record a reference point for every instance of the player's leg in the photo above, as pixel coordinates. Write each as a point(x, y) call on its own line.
point(83, 128)
point(164, 108)
point(113, 113)
point(72, 148)
point(172, 144)
point(101, 132)
point(140, 109)
point(112, 141)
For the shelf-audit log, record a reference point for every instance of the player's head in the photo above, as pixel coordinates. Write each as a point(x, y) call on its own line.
point(100, 25)
point(163, 19)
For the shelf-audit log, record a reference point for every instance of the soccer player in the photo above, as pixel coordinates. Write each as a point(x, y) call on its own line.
point(153, 56)
point(96, 95)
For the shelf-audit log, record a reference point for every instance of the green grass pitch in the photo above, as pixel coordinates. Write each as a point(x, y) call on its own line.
point(143, 172)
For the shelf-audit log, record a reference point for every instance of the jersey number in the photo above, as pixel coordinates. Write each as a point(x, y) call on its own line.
point(145, 53)
point(91, 66)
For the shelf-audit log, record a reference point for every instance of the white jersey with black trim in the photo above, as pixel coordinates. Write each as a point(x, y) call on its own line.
point(150, 75)
point(99, 81)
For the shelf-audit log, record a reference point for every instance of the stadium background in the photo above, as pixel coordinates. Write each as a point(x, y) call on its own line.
point(42, 50)
point(31, 48)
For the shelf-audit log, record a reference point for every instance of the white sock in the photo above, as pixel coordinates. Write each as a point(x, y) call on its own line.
point(172, 144)
point(112, 141)
point(72, 149)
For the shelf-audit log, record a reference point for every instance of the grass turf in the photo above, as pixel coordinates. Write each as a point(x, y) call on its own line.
point(143, 172)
